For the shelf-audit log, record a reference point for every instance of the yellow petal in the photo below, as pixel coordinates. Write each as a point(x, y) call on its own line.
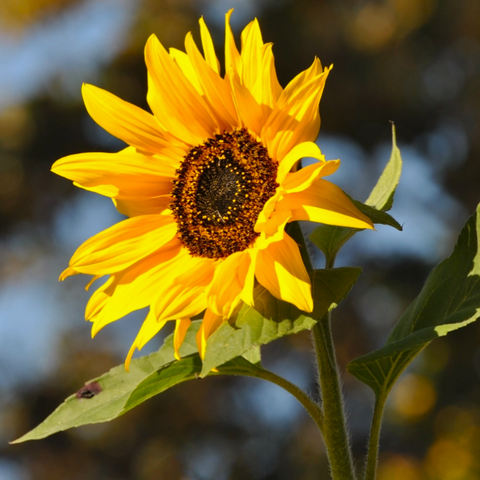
point(228, 283)
point(259, 74)
point(210, 323)
point(181, 327)
point(272, 227)
point(246, 294)
point(90, 283)
point(208, 47)
point(302, 179)
point(123, 244)
point(267, 88)
point(124, 120)
point(137, 286)
point(295, 118)
point(233, 60)
point(99, 298)
point(252, 114)
point(174, 100)
point(185, 294)
point(113, 174)
point(68, 272)
point(150, 327)
point(132, 206)
point(281, 271)
point(180, 301)
point(324, 202)
point(268, 209)
point(252, 60)
point(217, 91)
point(185, 65)
point(302, 150)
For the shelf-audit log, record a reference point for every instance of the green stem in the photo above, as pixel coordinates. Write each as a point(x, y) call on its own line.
point(310, 405)
point(330, 261)
point(373, 442)
point(334, 425)
point(335, 428)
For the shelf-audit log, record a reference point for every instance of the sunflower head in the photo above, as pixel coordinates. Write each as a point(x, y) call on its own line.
point(220, 190)
point(209, 182)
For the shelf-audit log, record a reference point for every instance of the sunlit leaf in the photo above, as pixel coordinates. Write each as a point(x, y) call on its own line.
point(381, 197)
point(330, 239)
point(116, 386)
point(272, 318)
point(450, 299)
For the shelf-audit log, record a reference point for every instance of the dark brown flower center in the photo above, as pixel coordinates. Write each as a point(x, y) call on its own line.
point(220, 189)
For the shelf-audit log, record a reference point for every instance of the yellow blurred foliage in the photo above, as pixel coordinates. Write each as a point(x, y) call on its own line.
point(375, 24)
point(399, 467)
point(458, 424)
point(16, 127)
point(17, 15)
point(448, 460)
point(413, 397)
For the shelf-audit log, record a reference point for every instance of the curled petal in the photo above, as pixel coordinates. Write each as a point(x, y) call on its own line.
point(303, 179)
point(302, 150)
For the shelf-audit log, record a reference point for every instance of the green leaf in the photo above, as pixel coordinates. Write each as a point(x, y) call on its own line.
point(272, 318)
point(116, 386)
point(381, 197)
point(330, 239)
point(450, 299)
point(376, 216)
point(253, 355)
point(187, 368)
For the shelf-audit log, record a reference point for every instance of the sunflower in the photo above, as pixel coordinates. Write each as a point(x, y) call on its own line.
point(209, 182)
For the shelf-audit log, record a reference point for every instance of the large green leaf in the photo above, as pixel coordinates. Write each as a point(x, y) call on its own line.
point(116, 387)
point(272, 318)
point(450, 299)
point(330, 239)
point(187, 368)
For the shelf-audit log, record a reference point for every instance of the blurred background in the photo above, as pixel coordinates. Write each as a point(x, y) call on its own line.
point(416, 63)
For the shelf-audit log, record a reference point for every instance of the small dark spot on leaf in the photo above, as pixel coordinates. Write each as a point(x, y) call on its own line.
point(89, 390)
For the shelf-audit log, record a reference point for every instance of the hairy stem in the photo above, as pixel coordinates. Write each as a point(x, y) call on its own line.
point(335, 429)
point(373, 442)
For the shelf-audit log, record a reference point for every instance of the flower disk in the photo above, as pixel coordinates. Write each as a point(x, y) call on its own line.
point(220, 190)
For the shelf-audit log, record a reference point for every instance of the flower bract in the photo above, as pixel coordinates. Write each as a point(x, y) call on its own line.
point(208, 182)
